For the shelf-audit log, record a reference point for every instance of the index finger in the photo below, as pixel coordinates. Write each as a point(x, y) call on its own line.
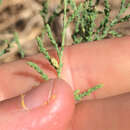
point(104, 62)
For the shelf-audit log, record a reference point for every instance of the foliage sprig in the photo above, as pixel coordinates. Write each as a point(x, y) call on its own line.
point(38, 69)
point(80, 95)
point(83, 17)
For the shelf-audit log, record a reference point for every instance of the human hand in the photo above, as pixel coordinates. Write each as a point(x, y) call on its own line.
point(105, 62)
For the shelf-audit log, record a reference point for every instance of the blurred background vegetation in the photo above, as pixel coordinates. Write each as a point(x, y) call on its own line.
point(23, 17)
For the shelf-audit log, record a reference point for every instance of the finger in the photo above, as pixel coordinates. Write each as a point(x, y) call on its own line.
point(103, 62)
point(110, 113)
point(84, 66)
point(18, 77)
point(43, 113)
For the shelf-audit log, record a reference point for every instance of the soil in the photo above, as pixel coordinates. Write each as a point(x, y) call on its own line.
point(23, 16)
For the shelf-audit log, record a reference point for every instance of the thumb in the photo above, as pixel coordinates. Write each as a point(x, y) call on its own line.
point(50, 107)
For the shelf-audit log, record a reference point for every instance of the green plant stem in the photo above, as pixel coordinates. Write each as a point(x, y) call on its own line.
point(78, 95)
point(38, 69)
point(50, 35)
point(63, 38)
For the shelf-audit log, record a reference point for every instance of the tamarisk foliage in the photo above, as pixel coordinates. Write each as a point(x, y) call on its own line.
point(47, 20)
point(86, 28)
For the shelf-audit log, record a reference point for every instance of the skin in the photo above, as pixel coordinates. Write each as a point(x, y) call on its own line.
point(51, 104)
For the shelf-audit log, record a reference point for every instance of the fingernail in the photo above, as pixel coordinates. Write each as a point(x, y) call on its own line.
point(39, 96)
